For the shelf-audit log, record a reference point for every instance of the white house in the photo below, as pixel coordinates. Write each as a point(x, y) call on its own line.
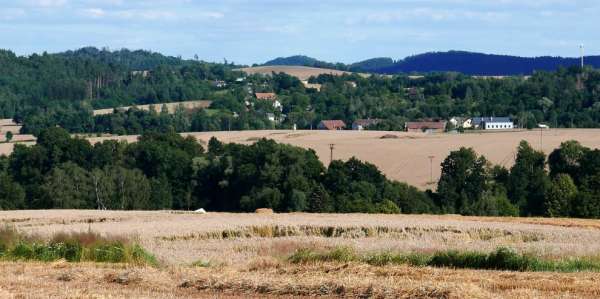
point(493, 123)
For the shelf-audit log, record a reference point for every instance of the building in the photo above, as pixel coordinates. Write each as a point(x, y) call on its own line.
point(332, 125)
point(426, 126)
point(492, 123)
point(219, 84)
point(315, 86)
point(269, 96)
point(266, 96)
point(361, 124)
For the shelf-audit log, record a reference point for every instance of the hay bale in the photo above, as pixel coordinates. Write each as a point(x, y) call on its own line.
point(389, 136)
point(264, 211)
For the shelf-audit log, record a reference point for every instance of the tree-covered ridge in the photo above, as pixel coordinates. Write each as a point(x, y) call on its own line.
point(469, 63)
point(92, 78)
point(46, 90)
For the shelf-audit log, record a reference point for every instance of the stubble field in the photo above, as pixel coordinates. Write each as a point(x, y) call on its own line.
point(406, 157)
point(403, 158)
point(223, 254)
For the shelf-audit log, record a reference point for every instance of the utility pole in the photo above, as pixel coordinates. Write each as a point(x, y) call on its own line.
point(541, 139)
point(431, 169)
point(331, 147)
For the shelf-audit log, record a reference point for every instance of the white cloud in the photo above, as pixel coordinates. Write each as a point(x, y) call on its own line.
point(8, 14)
point(430, 14)
point(47, 3)
point(94, 13)
point(149, 14)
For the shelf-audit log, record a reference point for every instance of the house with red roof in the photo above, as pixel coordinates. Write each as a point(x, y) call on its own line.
point(426, 126)
point(332, 125)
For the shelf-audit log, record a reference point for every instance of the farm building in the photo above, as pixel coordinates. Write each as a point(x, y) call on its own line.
point(332, 125)
point(426, 126)
point(361, 124)
point(492, 123)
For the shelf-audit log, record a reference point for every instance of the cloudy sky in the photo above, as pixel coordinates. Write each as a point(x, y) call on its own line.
point(253, 31)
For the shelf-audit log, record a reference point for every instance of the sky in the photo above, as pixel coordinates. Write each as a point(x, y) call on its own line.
point(254, 31)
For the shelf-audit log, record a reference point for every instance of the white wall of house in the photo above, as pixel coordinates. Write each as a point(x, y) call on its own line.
point(499, 125)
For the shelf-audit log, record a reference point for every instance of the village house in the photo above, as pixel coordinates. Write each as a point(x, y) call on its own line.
point(219, 83)
point(361, 124)
point(311, 85)
point(332, 125)
point(426, 126)
point(269, 96)
point(492, 123)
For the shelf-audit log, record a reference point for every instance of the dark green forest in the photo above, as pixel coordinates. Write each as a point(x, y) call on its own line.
point(48, 90)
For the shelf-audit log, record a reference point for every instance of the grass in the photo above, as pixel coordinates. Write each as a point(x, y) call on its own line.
point(500, 259)
point(72, 247)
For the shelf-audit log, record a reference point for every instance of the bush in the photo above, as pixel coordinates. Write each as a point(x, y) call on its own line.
point(500, 259)
point(73, 247)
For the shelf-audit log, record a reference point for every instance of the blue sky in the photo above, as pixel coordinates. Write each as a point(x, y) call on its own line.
point(253, 31)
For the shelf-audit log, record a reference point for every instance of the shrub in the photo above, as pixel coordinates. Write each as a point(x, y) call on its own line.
point(500, 259)
point(73, 247)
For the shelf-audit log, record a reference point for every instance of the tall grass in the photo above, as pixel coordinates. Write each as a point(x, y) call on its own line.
point(72, 247)
point(500, 259)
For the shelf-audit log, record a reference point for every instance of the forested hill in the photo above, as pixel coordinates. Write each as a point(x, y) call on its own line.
point(302, 60)
point(468, 63)
point(482, 64)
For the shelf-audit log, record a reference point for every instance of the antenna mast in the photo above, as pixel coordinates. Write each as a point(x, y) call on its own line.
point(581, 48)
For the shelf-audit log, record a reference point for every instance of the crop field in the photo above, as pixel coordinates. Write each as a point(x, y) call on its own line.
point(261, 255)
point(300, 72)
point(400, 156)
point(171, 107)
point(405, 156)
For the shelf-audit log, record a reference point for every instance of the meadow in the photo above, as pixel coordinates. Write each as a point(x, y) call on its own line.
point(298, 254)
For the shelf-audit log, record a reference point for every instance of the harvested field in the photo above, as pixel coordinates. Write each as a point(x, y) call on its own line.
point(171, 107)
point(405, 158)
point(241, 255)
point(300, 72)
point(400, 156)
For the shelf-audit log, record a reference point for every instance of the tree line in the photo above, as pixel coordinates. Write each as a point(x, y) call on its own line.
point(167, 171)
point(562, 184)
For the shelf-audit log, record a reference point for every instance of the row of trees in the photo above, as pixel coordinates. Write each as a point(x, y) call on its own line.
point(564, 184)
point(167, 171)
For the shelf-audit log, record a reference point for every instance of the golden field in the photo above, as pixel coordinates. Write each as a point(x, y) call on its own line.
point(245, 255)
point(300, 72)
point(171, 107)
point(405, 158)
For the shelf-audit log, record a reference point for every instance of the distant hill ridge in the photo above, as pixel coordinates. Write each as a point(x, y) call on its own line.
point(469, 63)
